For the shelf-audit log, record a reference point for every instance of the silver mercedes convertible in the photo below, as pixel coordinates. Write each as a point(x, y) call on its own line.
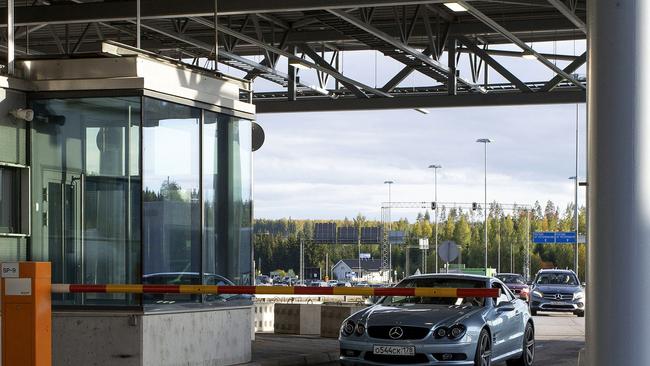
point(411, 330)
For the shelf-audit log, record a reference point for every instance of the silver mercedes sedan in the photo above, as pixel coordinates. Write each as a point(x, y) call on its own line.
point(411, 330)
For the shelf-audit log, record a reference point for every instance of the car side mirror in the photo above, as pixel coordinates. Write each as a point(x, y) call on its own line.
point(584, 284)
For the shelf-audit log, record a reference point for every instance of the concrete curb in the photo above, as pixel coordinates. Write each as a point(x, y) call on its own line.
point(298, 360)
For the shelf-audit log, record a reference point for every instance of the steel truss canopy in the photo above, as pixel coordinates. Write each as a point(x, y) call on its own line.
point(464, 50)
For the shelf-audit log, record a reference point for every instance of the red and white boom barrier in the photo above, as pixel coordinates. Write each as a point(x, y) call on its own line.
point(278, 290)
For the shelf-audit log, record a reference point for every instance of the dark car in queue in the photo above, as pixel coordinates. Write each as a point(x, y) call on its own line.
point(557, 290)
point(516, 283)
point(471, 331)
point(188, 278)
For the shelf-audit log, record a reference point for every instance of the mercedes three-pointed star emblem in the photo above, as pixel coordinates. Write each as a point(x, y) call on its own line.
point(396, 332)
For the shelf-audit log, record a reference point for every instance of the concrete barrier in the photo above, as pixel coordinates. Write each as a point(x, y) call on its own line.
point(333, 315)
point(264, 316)
point(215, 336)
point(303, 319)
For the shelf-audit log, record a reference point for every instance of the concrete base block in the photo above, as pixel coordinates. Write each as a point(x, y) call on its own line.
point(264, 316)
point(332, 316)
point(207, 337)
point(303, 319)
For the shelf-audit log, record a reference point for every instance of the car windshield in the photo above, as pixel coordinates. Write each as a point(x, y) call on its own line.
point(567, 279)
point(437, 282)
point(512, 279)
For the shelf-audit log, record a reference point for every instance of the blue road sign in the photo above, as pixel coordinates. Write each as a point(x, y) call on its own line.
point(552, 237)
point(541, 237)
point(565, 237)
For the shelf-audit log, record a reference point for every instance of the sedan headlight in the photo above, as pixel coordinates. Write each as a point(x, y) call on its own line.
point(537, 293)
point(456, 331)
point(348, 328)
point(578, 295)
point(360, 329)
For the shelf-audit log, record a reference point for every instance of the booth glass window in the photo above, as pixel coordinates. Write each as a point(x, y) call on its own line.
point(9, 200)
point(240, 197)
point(86, 192)
point(171, 185)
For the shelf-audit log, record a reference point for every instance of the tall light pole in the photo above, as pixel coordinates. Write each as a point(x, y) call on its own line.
point(435, 168)
point(577, 222)
point(485, 141)
point(390, 246)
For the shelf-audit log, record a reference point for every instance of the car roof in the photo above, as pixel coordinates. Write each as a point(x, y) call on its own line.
point(556, 271)
point(508, 274)
point(451, 275)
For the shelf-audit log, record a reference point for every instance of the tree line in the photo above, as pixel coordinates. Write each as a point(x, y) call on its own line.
point(277, 242)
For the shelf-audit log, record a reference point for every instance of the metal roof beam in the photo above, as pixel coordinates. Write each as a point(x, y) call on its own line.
point(494, 64)
point(514, 39)
point(572, 67)
point(427, 101)
point(424, 59)
point(156, 9)
point(338, 76)
point(321, 61)
point(562, 8)
point(263, 69)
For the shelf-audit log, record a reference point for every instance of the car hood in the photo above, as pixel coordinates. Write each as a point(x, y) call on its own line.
point(517, 286)
point(558, 288)
point(417, 315)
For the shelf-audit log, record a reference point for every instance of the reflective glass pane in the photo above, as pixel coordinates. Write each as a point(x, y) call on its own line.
point(240, 201)
point(171, 221)
point(9, 200)
point(86, 193)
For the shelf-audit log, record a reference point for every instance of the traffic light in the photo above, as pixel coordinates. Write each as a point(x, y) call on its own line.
point(474, 206)
point(434, 205)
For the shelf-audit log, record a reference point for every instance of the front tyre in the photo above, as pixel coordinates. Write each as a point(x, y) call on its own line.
point(528, 353)
point(580, 313)
point(483, 355)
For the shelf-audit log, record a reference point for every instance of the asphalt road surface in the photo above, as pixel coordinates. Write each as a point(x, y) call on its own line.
point(559, 339)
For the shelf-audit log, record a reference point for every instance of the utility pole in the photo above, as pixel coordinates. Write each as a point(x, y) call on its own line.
point(435, 168)
point(390, 246)
point(485, 141)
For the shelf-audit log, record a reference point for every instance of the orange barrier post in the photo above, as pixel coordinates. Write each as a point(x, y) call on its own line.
point(26, 314)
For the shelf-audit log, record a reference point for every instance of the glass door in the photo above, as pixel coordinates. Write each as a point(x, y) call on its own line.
point(62, 223)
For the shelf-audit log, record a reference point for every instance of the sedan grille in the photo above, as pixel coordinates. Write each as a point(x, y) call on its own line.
point(382, 332)
point(558, 296)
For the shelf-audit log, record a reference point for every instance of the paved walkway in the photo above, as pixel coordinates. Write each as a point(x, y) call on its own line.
point(559, 339)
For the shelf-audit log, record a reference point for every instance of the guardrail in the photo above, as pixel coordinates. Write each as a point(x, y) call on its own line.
point(270, 290)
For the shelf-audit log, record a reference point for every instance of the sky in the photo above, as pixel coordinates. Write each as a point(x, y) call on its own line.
point(332, 165)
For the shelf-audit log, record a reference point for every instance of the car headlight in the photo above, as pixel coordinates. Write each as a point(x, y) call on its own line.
point(348, 328)
point(440, 332)
point(360, 329)
point(578, 295)
point(456, 331)
point(537, 293)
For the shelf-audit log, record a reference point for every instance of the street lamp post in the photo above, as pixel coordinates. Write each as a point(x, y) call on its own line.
point(435, 168)
point(485, 141)
point(577, 223)
point(390, 246)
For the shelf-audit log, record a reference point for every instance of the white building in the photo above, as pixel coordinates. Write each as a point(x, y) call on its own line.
point(370, 270)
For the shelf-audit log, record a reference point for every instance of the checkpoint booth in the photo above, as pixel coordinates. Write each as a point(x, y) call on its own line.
point(129, 168)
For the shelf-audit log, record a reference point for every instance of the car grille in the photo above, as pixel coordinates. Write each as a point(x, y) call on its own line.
point(381, 332)
point(561, 297)
point(402, 360)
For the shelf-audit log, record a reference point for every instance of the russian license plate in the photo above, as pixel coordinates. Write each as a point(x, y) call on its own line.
point(394, 350)
point(558, 303)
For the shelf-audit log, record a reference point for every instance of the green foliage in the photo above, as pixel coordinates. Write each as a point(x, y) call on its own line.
point(277, 242)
